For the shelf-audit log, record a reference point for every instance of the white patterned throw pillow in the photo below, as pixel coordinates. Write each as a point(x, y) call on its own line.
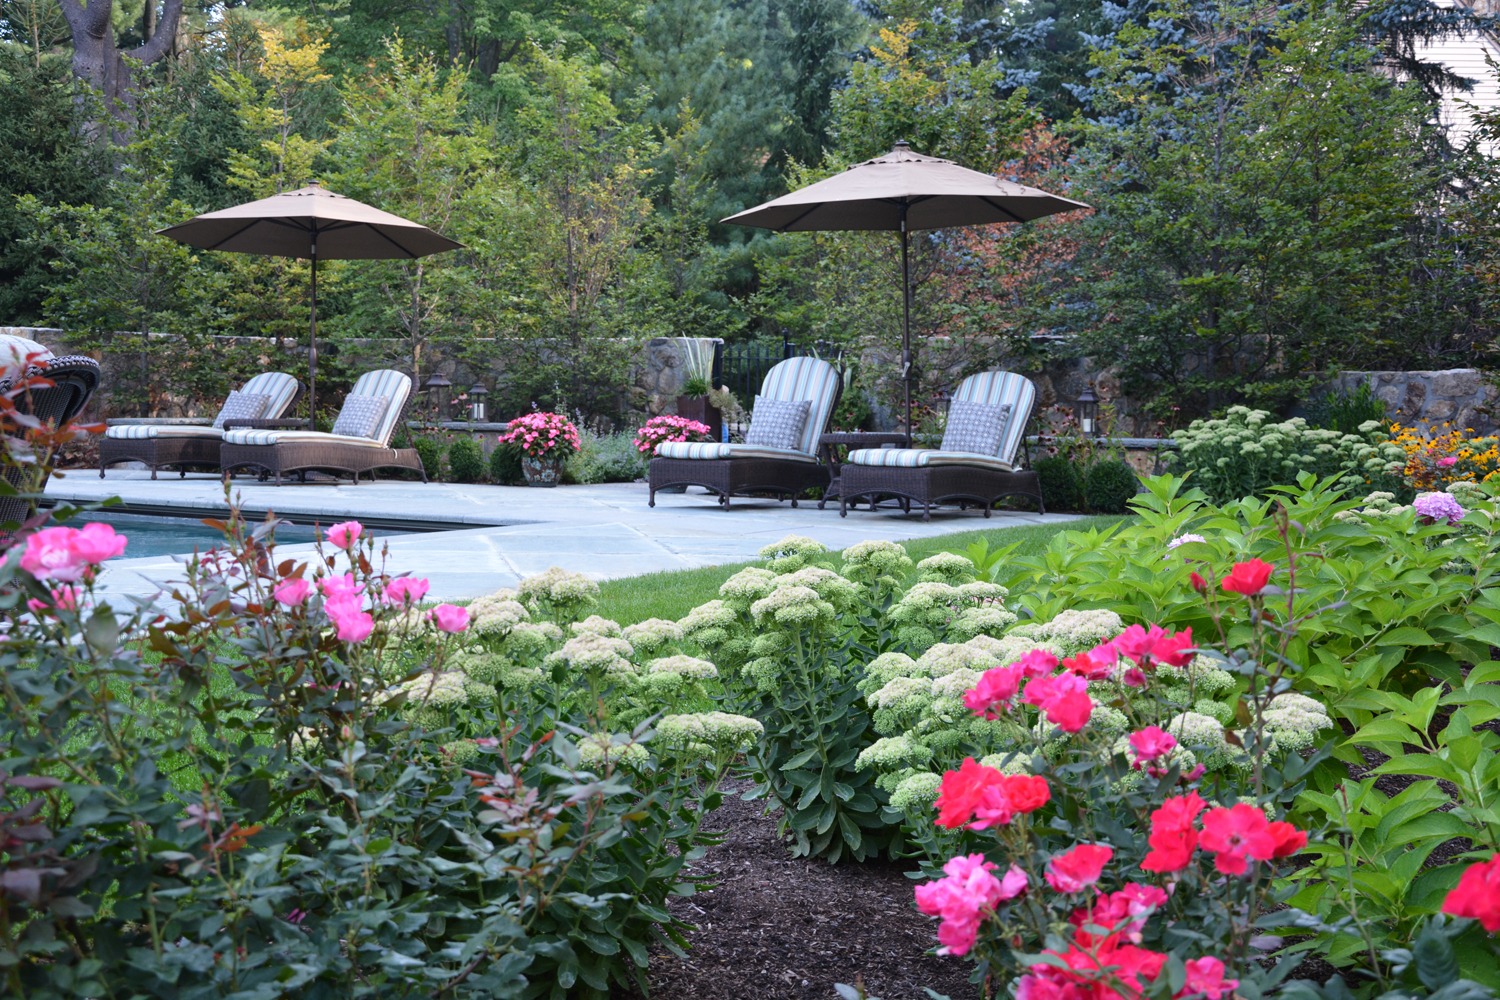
point(361, 416)
point(778, 423)
point(242, 406)
point(977, 428)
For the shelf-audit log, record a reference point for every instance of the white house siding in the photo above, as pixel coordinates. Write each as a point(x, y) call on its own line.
point(1465, 57)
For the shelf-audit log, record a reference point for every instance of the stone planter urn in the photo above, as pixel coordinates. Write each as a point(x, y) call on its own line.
point(700, 409)
point(542, 470)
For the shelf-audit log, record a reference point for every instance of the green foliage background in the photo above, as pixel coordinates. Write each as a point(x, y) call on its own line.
point(1246, 238)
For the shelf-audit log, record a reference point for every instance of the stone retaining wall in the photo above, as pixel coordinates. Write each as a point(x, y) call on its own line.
point(1461, 396)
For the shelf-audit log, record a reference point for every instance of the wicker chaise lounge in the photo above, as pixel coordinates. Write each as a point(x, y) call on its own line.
point(360, 441)
point(976, 463)
point(785, 469)
point(267, 396)
point(74, 379)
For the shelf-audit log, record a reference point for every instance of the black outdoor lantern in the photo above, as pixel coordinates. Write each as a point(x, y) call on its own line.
point(1087, 411)
point(437, 388)
point(476, 402)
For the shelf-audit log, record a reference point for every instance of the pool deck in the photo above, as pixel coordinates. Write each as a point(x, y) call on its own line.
point(605, 531)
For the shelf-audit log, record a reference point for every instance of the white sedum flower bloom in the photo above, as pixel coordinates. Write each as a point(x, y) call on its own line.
point(652, 634)
point(600, 653)
point(683, 666)
point(892, 753)
point(917, 793)
point(599, 750)
point(708, 734)
point(596, 625)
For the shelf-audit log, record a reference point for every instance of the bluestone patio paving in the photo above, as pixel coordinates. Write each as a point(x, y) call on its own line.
point(606, 531)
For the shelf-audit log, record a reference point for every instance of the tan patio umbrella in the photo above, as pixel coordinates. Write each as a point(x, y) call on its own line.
point(902, 191)
point(311, 223)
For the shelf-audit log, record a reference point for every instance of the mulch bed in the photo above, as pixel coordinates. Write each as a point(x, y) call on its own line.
point(775, 928)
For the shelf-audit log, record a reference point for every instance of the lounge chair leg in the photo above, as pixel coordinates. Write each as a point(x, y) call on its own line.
point(1041, 503)
point(651, 499)
point(101, 470)
point(926, 512)
point(153, 472)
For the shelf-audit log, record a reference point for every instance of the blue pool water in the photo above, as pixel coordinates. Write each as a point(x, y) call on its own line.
point(159, 536)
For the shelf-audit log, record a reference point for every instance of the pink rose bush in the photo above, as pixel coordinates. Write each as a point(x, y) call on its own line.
point(668, 427)
point(541, 433)
point(1109, 836)
point(68, 555)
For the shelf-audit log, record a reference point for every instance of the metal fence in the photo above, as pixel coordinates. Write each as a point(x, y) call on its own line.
point(743, 367)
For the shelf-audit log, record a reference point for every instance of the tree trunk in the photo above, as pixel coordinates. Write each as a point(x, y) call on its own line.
point(98, 63)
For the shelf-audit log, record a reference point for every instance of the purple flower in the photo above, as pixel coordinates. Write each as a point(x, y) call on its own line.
point(1439, 507)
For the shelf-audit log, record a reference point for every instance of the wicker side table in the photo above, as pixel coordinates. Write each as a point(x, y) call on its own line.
point(829, 444)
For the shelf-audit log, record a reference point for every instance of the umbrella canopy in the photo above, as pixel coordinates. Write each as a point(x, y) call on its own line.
point(311, 223)
point(899, 192)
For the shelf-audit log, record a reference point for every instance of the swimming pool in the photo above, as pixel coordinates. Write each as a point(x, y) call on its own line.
point(152, 535)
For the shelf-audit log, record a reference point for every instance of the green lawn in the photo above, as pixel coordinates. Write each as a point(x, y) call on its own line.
point(672, 595)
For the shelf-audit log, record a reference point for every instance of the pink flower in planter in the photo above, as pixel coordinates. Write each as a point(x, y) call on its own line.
point(292, 591)
point(405, 590)
point(345, 533)
point(450, 618)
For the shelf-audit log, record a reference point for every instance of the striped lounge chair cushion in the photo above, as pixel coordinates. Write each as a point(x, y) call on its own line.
point(713, 449)
point(391, 385)
point(279, 386)
point(271, 437)
point(142, 432)
point(918, 458)
point(791, 380)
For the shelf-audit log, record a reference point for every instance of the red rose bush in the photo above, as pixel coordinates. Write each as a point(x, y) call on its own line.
point(1080, 872)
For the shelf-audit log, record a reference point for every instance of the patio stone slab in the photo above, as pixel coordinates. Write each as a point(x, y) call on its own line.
point(503, 533)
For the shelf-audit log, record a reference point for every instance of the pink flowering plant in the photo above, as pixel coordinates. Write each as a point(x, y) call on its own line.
point(542, 433)
point(257, 776)
point(668, 427)
point(1076, 872)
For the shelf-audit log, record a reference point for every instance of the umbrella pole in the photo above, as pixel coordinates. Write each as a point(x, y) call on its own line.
point(906, 325)
point(312, 350)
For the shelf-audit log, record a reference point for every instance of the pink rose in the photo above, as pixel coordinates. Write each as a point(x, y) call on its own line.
point(339, 586)
point(344, 534)
point(1447, 462)
point(450, 618)
point(1149, 745)
point(350, 621)
point(97, 542)
point(67, 554)
point(292, 591)
point(405, 590)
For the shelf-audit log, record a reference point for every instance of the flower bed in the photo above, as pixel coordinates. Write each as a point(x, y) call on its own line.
point(1153, 760)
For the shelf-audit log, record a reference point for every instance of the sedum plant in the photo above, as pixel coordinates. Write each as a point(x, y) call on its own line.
point(1245, 453)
